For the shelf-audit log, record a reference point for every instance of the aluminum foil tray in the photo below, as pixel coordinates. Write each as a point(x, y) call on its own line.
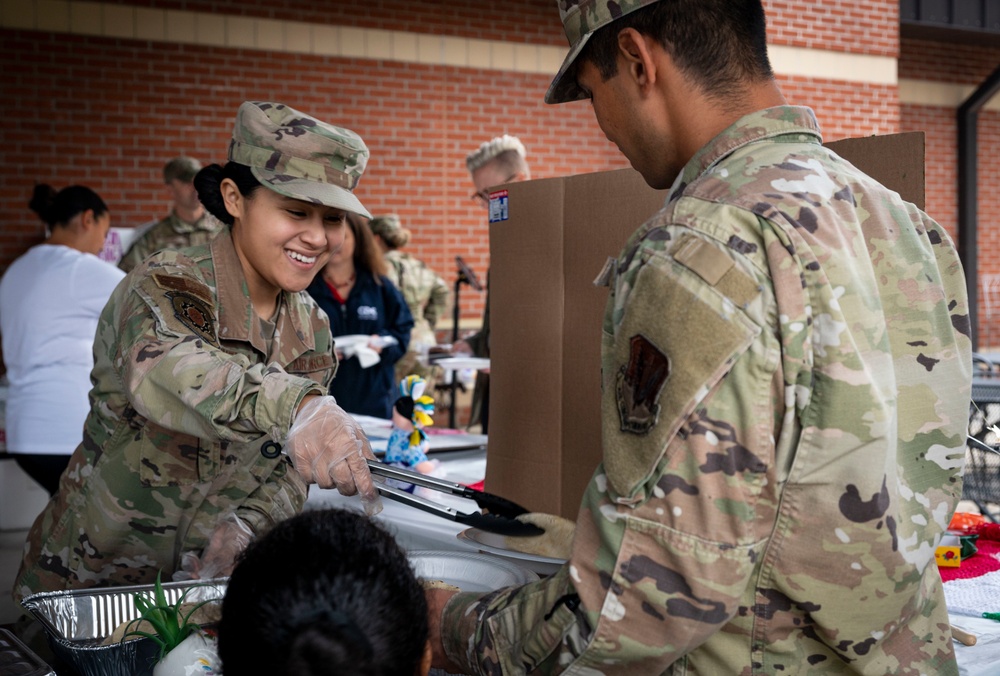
point(16, 659)
point(78, 620)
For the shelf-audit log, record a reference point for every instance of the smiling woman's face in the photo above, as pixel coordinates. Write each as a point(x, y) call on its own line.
point(282, 242)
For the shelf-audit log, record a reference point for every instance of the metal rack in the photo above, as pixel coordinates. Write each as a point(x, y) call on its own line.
point(982, 466)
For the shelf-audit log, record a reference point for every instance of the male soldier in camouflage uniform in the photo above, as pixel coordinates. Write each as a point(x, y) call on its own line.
point(199, 390)
point(786, 378)
point(187, 225)
point(425, 293)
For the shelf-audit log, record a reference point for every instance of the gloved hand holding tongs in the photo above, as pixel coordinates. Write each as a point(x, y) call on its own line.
point(500, 518)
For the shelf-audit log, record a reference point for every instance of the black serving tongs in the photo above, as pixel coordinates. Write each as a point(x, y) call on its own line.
point(501, 510)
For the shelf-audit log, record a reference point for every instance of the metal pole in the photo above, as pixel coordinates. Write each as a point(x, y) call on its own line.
point(968, 192)
point(454, 339)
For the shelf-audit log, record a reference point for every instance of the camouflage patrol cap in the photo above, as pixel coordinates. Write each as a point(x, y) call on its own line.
point(580, 19)
point(181, 169)
point(383, 225)
point(298, 156)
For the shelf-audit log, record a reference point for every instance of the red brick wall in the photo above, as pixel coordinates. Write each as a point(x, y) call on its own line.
point(861, 26)
point(856, 26)
point(941, 182)
point(523, 21)
point(108, 113)
point(970, 65)
point(846, 110)
point(946, 61)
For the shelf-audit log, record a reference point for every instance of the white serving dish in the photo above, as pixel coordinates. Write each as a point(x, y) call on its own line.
point(469, 571)
point(493, 544)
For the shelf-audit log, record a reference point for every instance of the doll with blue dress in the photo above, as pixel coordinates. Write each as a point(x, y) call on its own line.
point(411, 413)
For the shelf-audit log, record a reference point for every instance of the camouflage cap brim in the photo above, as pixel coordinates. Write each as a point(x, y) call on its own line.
point(306, 190)
point(581, 18)
point(564, 87)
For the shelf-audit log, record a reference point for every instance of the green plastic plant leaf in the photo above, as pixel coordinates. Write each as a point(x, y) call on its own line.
point(165, 618)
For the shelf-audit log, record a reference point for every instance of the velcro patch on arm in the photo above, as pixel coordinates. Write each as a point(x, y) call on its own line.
point(678, 338)
point(716, 268)
point(184, 305)
point(702, 258)
point(185, 285)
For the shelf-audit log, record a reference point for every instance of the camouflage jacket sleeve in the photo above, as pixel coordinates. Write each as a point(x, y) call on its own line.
point(281, 496)
point(147, 240)
point(678, 513)
point(437, 304)
point(136, 253)
point(179, 377)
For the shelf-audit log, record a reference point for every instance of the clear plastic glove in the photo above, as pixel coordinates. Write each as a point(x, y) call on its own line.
point(228, 541)
point(328, 447)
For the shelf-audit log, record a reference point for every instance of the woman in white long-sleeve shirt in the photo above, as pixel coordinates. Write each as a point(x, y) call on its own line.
point(50, 300)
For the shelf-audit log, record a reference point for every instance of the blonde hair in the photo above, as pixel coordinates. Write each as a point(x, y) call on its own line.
point(510, 147)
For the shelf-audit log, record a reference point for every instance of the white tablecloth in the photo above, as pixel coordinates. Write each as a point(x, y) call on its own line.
point(967, 600)
point(982, 659)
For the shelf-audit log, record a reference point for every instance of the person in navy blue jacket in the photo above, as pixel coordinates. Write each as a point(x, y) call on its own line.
point(359, 299)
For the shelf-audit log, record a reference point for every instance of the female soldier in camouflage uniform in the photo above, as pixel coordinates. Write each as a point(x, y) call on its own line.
point(210, 366)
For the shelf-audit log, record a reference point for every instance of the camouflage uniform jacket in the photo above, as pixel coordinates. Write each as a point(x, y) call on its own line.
point(425, 293)
point(189, 407)
point(170, 233)
point(786, 382)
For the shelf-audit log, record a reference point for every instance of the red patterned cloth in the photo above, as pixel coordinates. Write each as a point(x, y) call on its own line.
point(988, 531)
point(984, 561)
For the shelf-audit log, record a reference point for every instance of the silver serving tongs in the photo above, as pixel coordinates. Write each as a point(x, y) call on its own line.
point(981, 445)
point(502, 511)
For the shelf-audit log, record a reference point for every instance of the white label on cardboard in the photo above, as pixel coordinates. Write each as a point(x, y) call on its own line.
point(498, 206)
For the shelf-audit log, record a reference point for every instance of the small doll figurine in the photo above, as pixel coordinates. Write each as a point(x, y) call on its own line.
point(407, 445)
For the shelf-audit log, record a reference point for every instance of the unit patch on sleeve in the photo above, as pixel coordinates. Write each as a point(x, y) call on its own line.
point(639, 384)
point(195, 314)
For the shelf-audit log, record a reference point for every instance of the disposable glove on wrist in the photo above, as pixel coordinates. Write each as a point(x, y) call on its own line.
point(328, 447)
point(218, 559)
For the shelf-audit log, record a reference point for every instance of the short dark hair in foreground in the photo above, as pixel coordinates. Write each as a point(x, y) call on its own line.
point(326, 592)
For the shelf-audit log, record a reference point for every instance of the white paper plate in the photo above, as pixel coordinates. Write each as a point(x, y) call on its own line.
point(469, 571)
point(493, 543)
point(350, 340)
point(459, 363)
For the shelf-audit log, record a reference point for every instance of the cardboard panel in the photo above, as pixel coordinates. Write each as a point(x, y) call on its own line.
point(894, 160)
point(545, 436)
point(546, 331)
point(526, 292)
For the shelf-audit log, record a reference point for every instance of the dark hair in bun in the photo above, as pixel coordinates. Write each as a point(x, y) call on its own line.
point(56, 209)
point(323, 593)
point(208, 180)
